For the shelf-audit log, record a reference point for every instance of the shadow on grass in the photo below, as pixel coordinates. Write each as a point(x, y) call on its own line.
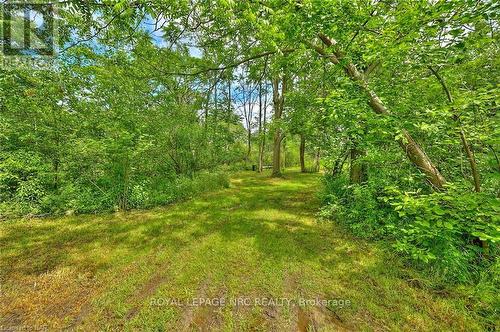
point(271, 218)
point(268, 209)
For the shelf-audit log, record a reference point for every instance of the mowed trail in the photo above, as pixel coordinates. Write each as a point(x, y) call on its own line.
point(252, 257)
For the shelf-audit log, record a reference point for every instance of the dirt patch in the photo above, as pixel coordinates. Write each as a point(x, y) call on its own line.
point(205, 317)
point(46, 300)
point(319, 319)
point(144, 292)
point(303, 320)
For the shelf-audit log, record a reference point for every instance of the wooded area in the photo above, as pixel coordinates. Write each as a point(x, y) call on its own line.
point(394, 103)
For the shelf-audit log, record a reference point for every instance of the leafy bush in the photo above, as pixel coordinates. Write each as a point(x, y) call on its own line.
point(447, 232)
point(445, 229)
point(33, 197)
point(22, 183)
point(357, 206)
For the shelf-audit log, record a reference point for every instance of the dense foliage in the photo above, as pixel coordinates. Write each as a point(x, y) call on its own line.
point(147, 102)
point(86, 137)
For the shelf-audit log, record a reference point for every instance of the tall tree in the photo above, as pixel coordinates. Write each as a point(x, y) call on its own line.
point(279, 90)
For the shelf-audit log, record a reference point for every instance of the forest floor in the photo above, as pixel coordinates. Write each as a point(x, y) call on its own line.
point(253, 255)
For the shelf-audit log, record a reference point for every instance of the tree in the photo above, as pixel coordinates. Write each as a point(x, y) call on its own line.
point(278, 106)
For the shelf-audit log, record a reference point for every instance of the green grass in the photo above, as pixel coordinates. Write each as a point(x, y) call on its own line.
point(257, 239)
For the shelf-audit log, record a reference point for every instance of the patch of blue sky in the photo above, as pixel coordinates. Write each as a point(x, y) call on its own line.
point(153, 28)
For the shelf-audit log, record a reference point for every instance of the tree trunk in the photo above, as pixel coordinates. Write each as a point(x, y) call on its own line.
point(472, 161)
point(207, 106)
point(249, 143)
point(339, 162)
point(262, 146)
point(261, 155)
point(463, 138)
point(283, 140)
point(316, 160)
point(411, 148)
point(229, 104)
point(260, 128)
point(358, 171)
point(465, 145)
point(263, 142)
point(302, 152)
point(262, 120)
point(278, 101)
point(277, 153)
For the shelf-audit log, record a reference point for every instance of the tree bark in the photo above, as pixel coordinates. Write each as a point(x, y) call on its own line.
point(263, 141)
point(358, 172)
point(463, 138)
point(229, 104)
point(472, 161)
point(249, 143)
point(277, 153)
point(262, 118)
point(465, 145)
point(278, 102)
point(316, 160)
point(302, 150)
point(411, 148)
point(283, 161)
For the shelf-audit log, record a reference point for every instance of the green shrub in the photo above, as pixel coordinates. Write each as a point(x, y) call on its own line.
point(33, 197)
point(450, 233)
point(445, 229)
point(357, 207)
point(23, 183)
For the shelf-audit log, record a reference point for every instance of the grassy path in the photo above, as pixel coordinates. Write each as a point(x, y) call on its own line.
point(257, 242)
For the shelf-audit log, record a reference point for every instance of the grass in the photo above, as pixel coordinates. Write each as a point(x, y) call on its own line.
point(257, 240)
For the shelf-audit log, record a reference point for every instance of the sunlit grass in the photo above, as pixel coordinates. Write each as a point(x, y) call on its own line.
point(257, 239)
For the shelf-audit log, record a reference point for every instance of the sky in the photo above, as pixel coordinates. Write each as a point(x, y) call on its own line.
point(149, 25)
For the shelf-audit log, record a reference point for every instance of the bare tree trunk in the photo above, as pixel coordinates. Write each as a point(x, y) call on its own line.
point(262, 121)
point(261, 155)
point(472, 161)
point(249, 143)
point(229, 112)
point(229, 104)
point(411, 148)
point(263, 142)
point(316, 160)
point(277, 153)
point(260, 128)
point(283, 165)
point(247, 114)
point(278, 102)
point(302, 152)
point(463, 138)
